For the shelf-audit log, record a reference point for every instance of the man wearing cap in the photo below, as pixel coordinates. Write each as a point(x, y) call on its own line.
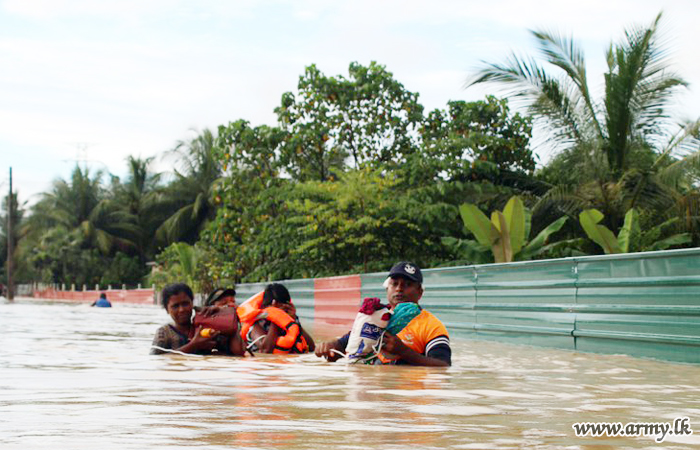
point(422, 342)
point(221, 297)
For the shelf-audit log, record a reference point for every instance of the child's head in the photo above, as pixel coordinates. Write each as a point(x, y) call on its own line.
point(275, 292)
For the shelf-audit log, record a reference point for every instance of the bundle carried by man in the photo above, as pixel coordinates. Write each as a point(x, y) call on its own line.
point(367, 330)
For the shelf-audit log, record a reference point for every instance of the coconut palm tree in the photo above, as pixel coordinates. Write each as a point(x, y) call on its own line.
point(631, 117)
point(81, 207)
point(139, 183)
point(139, 196)
point(626, 142)
point(189, 195)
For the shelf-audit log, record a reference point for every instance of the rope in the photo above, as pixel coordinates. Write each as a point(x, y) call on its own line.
point(177, 352)
point(376, 348)
point(250, 346)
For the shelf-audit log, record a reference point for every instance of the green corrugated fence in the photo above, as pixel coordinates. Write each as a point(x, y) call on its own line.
point(640, 304)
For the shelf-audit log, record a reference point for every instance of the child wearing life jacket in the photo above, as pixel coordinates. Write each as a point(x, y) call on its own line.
point(270, 324)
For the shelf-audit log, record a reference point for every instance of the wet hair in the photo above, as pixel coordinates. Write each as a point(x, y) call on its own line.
point(275, 291)
point(174, 289)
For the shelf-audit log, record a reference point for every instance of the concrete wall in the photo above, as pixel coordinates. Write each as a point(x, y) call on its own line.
point(133, 296)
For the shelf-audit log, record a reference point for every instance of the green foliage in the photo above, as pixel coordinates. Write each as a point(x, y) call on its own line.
point(505, 235)
point(122, 269)
point(352, 225)
point(249, 153)
point(476, 140)
point(189, 198)
point(355, 178)
point(62, 256)
point(362, 222)
point(599, 234)
point(620, 151)
point(182, 263)
point(631, 236)
point(539, 246)
point(369, 117)
point(76, 230)
point(81, 205)
point(138, 196)
point(625, 126)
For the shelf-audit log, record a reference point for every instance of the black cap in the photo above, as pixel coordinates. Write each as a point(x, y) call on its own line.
point(407, 270)
point(217, 294)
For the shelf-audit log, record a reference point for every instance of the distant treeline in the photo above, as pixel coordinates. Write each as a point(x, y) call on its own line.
point(357, 175)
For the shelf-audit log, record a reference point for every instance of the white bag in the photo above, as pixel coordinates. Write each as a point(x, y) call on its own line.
point(369, 325)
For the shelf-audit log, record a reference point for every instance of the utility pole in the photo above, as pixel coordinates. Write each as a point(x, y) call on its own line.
point(10, 285)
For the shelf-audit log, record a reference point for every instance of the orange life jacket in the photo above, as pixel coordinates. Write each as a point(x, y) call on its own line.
point(251, 311)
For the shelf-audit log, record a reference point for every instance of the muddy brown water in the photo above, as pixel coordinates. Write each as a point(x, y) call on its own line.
point(75, 377)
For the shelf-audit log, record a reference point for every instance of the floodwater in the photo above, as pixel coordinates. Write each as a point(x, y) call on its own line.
point(75, 377)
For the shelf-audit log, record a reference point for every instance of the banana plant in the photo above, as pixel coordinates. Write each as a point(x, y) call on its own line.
point(631, 237)
point(505, 235)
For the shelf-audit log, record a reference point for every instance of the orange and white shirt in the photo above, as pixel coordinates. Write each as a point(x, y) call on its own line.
point(425, 334)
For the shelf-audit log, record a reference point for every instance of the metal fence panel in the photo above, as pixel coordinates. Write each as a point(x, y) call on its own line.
point(647, 305)
point(642, 304)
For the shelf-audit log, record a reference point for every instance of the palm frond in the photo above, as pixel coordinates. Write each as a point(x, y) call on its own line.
point(547, 97)
point(176, 225)
point(639, 89)
point(557, 201)
point(565, 54)
point(644, 190)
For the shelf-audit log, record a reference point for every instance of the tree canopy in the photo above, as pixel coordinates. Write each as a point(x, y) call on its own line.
point(357, 175)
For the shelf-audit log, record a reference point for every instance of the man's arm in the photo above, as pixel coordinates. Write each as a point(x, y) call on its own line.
point(326, 349)
point(437, 357)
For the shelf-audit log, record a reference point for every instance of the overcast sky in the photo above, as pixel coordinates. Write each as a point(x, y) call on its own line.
point(104, 79)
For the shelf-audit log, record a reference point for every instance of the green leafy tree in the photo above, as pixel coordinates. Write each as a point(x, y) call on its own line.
point(248, 233)
point(369, 117)
point(139, 197)
point(181, 262)
point(249, 154)
point(475, 140)
point(76, 230)
point(353, 225)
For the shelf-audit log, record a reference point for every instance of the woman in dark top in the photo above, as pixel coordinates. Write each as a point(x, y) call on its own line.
point(181, 335)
